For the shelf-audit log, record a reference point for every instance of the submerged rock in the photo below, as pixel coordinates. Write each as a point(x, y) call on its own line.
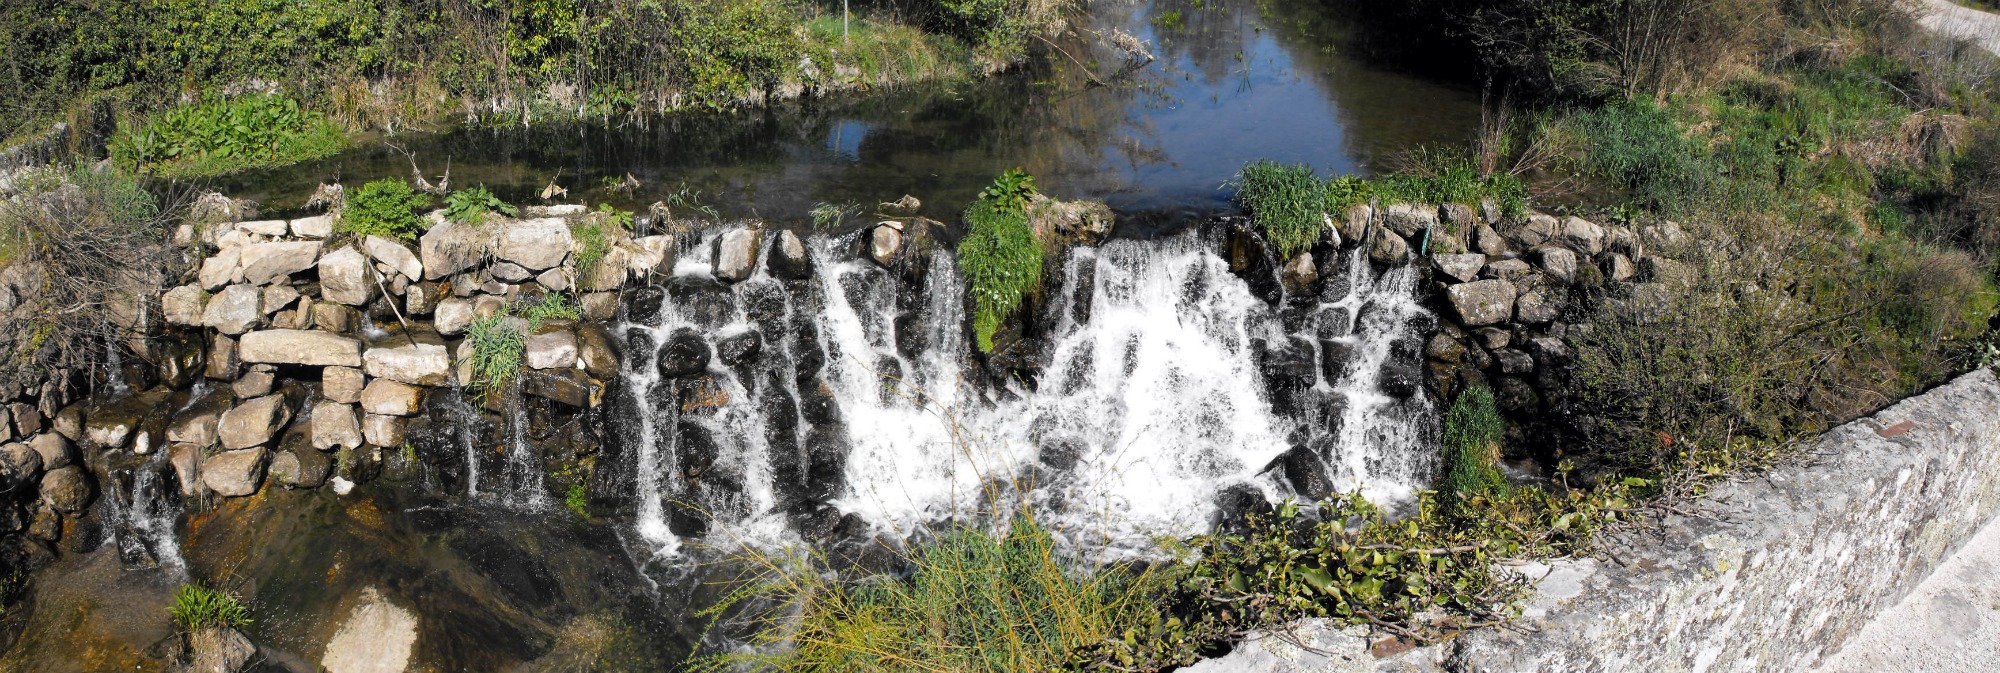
point(376, 637)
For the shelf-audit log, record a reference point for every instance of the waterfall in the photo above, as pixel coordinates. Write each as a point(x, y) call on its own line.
point(523, 469)
point(1164, 381)
point(141, 511)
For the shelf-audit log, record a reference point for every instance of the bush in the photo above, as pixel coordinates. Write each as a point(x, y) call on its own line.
point(1000, 255)
point(387, 207)
point(473, 205)
point(225, 136)
point(197, 606)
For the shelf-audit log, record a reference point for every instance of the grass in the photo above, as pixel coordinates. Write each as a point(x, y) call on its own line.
point(592, 244)
point(1000, 254)
point(1288, 203)
point(196, 606)
point(497, 349)
point(1291, 205)
point(552, 306)
point(1471, 445)
point(225, 136)
point(388, 207)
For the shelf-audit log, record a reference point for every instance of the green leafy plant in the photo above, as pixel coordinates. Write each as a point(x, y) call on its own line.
point(387, 207)
point(473, 205)
point(1000, 255)
point(197, 606)
point(1472, 433)
point(615, 216)
point(577, 499)
point(223, 136)
point(497, 348)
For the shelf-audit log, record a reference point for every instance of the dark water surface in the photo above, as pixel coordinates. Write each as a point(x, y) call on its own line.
point(1233, 82)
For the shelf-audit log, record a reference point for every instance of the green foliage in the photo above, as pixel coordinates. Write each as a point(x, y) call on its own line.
point(197, 606)
point(1472, 433)
point(615, 216)
point(387, 207)
point(497, 348)
point(592, 244)
point(1288, 203)
point(473, 205)
point(1000, 255)
point(552, 306)
point(224, 136)
point(577, 499)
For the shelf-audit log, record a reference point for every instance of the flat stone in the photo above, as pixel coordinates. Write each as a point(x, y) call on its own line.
point(236, 473)
point(335, 425)
point(278, 297)
point(266, 262)
point(395, 255)
point(391, 398)
point(253, 423)
point(1483, 302)
point(1463, 268)
point(317, 226)
point(341, 384)
point(219, 269)
point(551, 350)
point(535, 244)
point(423, 364)
point(300, 347)
point(449, 248)
point(234, 310)
point(183, 306)
point(1408, 219)
point(272, 228)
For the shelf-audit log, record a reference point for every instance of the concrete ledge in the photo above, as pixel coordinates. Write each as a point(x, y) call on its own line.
point(1772, 574)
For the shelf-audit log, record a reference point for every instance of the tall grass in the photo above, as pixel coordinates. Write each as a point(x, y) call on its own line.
point(497, 348)
point(197, 606)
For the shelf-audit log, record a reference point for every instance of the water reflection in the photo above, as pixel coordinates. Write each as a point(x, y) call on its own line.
point(1232, 82)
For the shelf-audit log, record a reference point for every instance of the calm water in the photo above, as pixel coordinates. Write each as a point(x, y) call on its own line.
point(1233, 82)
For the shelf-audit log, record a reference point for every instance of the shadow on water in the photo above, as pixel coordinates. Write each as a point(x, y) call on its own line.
point(1232, 82)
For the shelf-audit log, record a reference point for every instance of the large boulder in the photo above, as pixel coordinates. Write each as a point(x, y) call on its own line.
point(535, 244)
point(735, 256)
point(392, 398)
point(300, 347)
point(1388, 248)
point(67, 489)
point(254, 422)
point(266, 262)
point(343, 278)
point(234, 310)
point(1483, 302)
point(19, 465)
point(551, 350)
point(450, 248)
point(395, 255)
point(335, 425)
point(236, 473)
point(183, 305)
point(788, 257)
point(55, 450)
point(423, 364)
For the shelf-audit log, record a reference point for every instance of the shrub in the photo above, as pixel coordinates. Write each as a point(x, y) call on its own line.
point(1000, 255)
point(197, 606)
point(497, 348)
point(225, 136)
point(473, 205)
point(1288, 203)
point(387, 207)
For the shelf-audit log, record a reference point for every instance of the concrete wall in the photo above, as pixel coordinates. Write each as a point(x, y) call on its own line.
point(1768, 574)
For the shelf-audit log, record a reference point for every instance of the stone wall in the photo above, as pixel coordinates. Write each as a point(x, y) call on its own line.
point(1766, 574)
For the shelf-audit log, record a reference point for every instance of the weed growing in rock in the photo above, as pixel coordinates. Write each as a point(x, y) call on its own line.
point(1472, 432)
point(1000, 255)
point(552, 306)
point(387, 207)
point(473, 205)
point(592, 244)
point(196, 606)
point(497, 345)
point(1287, 202)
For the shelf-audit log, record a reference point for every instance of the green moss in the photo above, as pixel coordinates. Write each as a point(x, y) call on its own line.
point(1000, 255)
point(387, 207)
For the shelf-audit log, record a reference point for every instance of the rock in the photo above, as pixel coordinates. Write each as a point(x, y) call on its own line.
point(1559, 262)
point(565, 385)
point(1549, 352)
point(318, 226)
point(1353, 225)
point(1540, 228)
point(341, 486)
point(685, 353)
point(1654, 269)
point(376, 637)
point(392, 398)
point(885, 242)
point(219, 269)
point(253, 423)
point(271, 228)
point(535, 244)
point(550, 350)
point(1506, 269)
point(421, 299)
point(599, 306)
point(1486, 240)
point(609, 274)
point(224, 361)
point(383, 431)
point(1464, 268)
point(198, 424)
point(66, 489)
point(1513, 362)
point(509, 272)
point(1665, 235)
point(450, 248)
point(45, 525)
point(344, 279)
point(394, 254)
point(1444, 348)
point(20, 464)
point(1483, 302)
point(109, 425)
point(735, 254)
point(789, 259)
point(1299, 274)
point(235, 473)
point(1388, 248)
point(219, 649)
point(341, 384)
point(598, 351)
point(1493, 337)
point(54, 450)
point(277, 297)
point(234, 310)
point(266, 262)
point(183, 306)
point(553, 280)
point(300, 347)
point(739, 348)
point(1400, 380)
point(1617, 267)
point(487, 306)
point(1582, 235)
point(335, 425)
point(300, 468)
point(421, 364)
point(334, 318)
point(452, 316)
point(1407, 219)
point(651, 255)
point(1535, 308)
point(28, 420)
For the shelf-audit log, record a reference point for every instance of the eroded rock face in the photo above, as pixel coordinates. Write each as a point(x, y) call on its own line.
point(300, 347)
point(448, 248)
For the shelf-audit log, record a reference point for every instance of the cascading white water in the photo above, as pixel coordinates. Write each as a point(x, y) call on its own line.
point(1152, 398)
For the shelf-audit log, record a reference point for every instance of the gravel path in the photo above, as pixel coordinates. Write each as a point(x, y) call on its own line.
point(1944, 16)
point(1949, 624)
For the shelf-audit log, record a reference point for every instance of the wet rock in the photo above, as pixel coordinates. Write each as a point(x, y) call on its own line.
point(420, 363)
point(1462, 268)
point(885, 243)
point(109, 425)
point(448, 248)
point(300, 468)
point(300, 347)
point(1535, 308)
point(391, 398)
point(1059, 452)
point(788, 258)
point(421, 299)
point(1483, 302)
point(1513, 362)
point(219, 649)
point(1400, 380)
point(341, 384)
point(642, 305)
point(535, 244)
point(54, 450)
point(151, 433)
point(45, 524)
point(183, 305)
point(67, 489)
point(598, 351)
point(1334, 357)
point(1307, 474)
point(685, 353)
point(234, 310)
point(1388, 248)
point(1407, 219)
point(394, 254)
point(1558, 262)
point(551, 350)
point(253, 423)
point(1299, 274)
point(1512, 394)
point(335, 425)
point(740, 348)
point(826, 454)
point(651, 256)
point(1443, 347)
point(20, 464)
point(263, 263)
point(1236, 503)
point(180, 363)
point(383, 431)
point(1581, 235)
point(377, 636)
point(566, 385)
point(735, 255)
point(1493, 337)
